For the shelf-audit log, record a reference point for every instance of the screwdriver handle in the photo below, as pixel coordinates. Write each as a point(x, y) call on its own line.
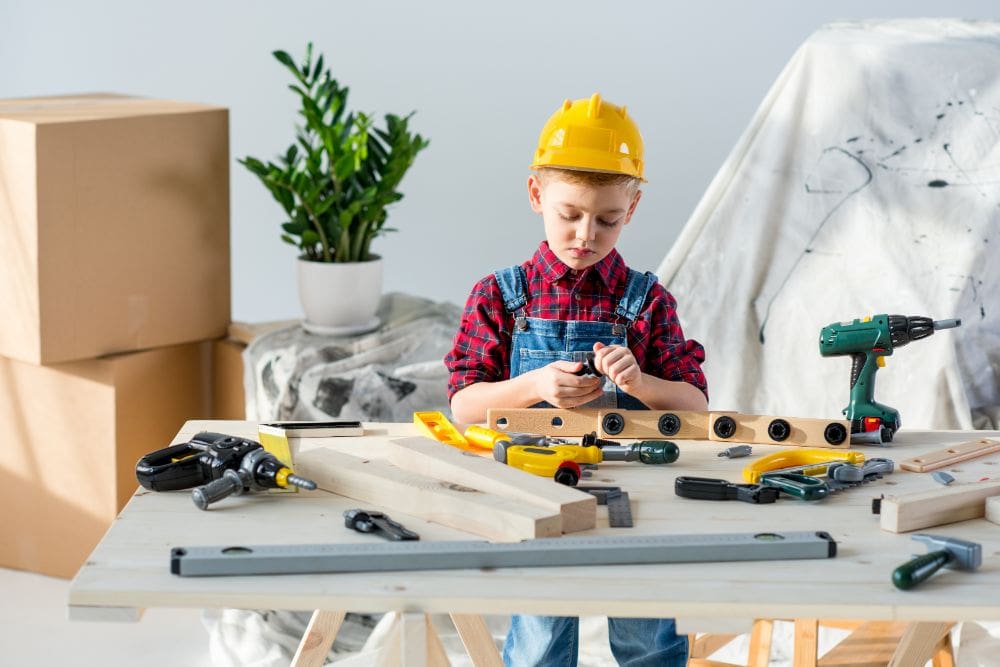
point(216, 490)
point(911, 573)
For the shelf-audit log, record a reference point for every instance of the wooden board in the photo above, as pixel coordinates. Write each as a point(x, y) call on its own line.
point(901, 514)
point(429, 457)
point(543, 421)
point(943, 458)
point(645, 424)
point(375, 481)
point(803, 432)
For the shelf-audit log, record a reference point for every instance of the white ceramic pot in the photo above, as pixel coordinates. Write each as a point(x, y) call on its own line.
point(340, 298)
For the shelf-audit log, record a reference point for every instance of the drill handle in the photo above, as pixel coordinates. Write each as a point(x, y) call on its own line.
point(858, 360)
point(231, 482)
point(171, 468)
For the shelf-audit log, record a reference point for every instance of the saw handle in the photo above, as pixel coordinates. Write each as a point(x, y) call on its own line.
point(911, 573)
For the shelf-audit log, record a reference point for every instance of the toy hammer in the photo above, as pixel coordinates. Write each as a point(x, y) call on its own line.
point(948, 551)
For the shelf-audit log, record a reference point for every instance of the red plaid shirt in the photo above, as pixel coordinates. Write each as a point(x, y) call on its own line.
point(481, 349)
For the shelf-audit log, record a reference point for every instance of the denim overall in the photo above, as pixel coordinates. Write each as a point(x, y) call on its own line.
point(553, 640)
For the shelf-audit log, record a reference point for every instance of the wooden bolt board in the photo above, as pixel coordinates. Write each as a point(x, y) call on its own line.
point(959, 502)
point(427, 457)
point(943, 458)
point(645, 424)
point(377, 481)
point(803, 432)
point(543, 421)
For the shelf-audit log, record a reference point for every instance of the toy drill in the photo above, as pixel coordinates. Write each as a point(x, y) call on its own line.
point(218, 465)
point(869, 341)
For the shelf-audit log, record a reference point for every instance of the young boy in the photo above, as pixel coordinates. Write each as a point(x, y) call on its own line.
point(526, 330)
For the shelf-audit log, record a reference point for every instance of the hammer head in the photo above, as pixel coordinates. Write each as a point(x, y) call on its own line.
point(965, 555)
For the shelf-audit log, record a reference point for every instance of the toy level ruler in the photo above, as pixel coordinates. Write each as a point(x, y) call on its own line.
point(558, 551)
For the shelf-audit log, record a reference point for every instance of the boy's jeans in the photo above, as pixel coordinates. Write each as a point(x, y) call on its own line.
point(541, 641)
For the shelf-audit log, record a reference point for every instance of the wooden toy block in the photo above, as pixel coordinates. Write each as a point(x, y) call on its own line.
point(789, 431)
point(993, 509)
point(951, 455)
point(428, 457)
point(901, 514)
point(379, 482)
point(653, 424)
point(543, 421)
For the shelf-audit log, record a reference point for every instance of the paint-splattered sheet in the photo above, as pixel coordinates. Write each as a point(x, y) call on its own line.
point(868, 182)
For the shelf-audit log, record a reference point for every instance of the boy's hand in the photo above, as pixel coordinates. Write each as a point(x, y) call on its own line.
point(619, 364)
point(557, 384)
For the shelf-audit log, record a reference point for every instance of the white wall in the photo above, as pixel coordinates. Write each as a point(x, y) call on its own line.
point(483, 77)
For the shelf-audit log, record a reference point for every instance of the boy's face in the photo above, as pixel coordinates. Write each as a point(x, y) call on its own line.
point(582, 222)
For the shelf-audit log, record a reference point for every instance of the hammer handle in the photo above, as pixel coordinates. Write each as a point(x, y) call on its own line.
point(908, 575)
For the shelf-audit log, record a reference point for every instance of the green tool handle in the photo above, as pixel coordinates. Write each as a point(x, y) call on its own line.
point(908, 575)
point(800, 486)
point(647, 451)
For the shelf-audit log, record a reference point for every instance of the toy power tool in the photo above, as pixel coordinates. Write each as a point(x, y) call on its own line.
point(215, 466)
point(869, 341)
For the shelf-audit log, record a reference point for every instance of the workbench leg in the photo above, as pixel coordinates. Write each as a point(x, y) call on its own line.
point(918, 643)
point(319, 636)
point(477, 640)
point(806, 642)
point(944, 656)
point(760, 643)
point(413, 639)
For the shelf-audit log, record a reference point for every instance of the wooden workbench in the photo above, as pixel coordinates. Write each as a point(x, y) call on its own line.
point(129, 571)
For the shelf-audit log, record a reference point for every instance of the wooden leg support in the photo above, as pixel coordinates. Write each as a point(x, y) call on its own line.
point(477, 640)
point(319, 636)
point(760, 643)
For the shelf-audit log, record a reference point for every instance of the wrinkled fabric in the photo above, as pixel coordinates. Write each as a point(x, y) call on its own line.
point(868, 182)
point(383, 376)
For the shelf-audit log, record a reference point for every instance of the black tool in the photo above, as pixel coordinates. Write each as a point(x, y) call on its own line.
point(219, 465)
point(704, 488)
point(619, 505)
point(589, 367)
point(379, 523)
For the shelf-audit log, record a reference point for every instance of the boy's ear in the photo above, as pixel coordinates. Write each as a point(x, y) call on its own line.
point(535, 193)
point(631, 208)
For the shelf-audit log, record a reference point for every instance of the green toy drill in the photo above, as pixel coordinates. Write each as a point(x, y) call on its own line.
point(868, 341)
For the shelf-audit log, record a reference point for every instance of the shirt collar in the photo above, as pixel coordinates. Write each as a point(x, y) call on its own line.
point(611, 269)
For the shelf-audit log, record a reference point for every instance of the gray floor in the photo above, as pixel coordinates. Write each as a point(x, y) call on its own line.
point(34, 629)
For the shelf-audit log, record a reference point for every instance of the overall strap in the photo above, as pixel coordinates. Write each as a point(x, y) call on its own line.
point(636, 289)
point(513, 287)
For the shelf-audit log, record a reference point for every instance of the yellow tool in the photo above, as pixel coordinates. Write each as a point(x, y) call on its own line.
point(811, 462)
point(559, 462)
point(484, 438)
point(275, 441)
point(436, 426)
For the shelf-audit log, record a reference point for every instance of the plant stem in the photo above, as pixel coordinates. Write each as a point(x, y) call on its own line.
point(313, 219)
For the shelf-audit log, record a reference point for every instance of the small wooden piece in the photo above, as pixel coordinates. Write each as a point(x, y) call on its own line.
point(789, 431)
point(319, 636)
point(951, 455)
point(646, 424)
point(383, 484)
point(427, 457)
point(993, 509)
point(901, 514)
point(543, 421)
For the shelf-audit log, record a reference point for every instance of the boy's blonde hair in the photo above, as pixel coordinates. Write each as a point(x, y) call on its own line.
point(590, 178)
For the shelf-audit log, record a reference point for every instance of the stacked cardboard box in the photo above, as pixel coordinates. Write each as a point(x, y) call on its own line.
point(114, 277)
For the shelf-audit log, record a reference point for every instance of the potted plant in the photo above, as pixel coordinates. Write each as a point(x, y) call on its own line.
point(335, 183)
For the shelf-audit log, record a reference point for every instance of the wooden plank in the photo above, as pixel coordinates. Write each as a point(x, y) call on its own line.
point(919, 643)
point(760, 643)
point(318, 638)
point(428, 457)
point(943, 458)
point(379, 482)
point(802, 432)
point(901, 514)
point(870, 645)
point(806, 642)
point(993, 509)
point(477, 640)
point(543, 421)
point(645, 424)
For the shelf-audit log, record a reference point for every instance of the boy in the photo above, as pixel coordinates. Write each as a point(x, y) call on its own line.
point(526, 330)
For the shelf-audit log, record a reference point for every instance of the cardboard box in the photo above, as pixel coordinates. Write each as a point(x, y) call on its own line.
point(114, 225)
point(73, 433)
point(228, 397)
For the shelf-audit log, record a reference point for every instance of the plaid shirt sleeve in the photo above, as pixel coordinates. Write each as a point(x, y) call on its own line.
point(668, 354)
point(481, 347)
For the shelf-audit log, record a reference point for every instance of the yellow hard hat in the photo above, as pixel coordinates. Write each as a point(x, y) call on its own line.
point(591, 135)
